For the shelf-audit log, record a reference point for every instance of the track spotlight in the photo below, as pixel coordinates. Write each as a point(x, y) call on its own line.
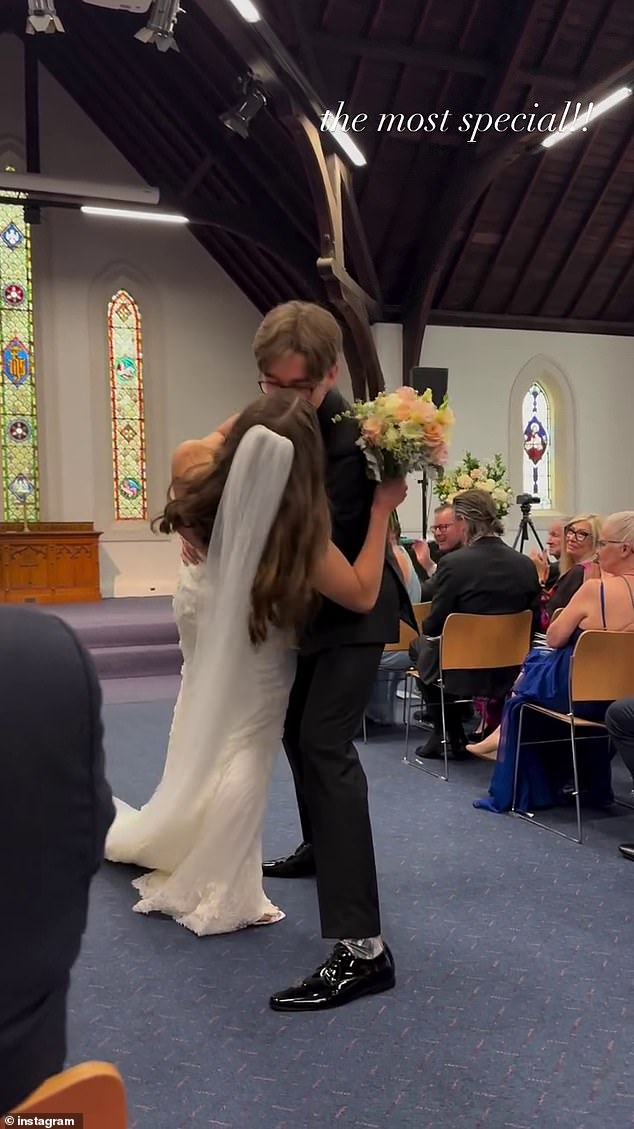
point(239, 119)
point(160, 26)
point(42, 17)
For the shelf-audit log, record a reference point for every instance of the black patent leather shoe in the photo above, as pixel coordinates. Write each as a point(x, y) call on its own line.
point(627, 850)
point(433, 750)
point(342, 978)
point(301, 864)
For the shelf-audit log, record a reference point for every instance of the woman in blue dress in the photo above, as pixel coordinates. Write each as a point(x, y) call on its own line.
point(604, 603)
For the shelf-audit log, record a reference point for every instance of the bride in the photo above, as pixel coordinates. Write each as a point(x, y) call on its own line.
point(260, 515)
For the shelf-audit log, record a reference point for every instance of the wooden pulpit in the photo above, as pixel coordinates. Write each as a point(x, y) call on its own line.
point(49, 563)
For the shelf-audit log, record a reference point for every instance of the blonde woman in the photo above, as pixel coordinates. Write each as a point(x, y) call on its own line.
point(578, 551)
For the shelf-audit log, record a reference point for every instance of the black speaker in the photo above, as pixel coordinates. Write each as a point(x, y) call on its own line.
point(421, 379)
point(435, 378)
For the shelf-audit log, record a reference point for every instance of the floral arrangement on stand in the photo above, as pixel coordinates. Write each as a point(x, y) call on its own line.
point(401, 432)
point(471, 474)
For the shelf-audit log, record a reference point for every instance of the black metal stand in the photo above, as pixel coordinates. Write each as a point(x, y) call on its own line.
point(424, 487)
point(526, 526)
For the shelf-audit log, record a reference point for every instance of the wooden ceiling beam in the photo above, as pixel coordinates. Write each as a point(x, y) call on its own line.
point(580, 233)
point(469, 179)
point(326, 176)
point(622, 222)
point(615, 290)
point(357, 240)
point(518, 210)
point(551, 219)
point(306, 46)
point(471, 318)
point(351, 93)
point(395, 100)
point(595, 36)
point(512, 226)
point(410, 190)
point(467, 185)
point(430, 58)
point(161, 157)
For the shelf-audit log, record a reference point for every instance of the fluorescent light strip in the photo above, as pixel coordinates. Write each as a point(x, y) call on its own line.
point(130, 214)
point(586, 119)
point(247, 10)
point(345, 142)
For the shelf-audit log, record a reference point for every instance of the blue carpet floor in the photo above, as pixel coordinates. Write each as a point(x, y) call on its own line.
point(515, 961)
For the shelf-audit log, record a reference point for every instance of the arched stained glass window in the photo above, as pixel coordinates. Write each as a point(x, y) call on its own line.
point(125, 353)
point(538, 441)
point(18, 406)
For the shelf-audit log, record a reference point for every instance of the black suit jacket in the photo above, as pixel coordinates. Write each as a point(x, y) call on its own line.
point(487, 578)
point(55, 810)
point(350, 494)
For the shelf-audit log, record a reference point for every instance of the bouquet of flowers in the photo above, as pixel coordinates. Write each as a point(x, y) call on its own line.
point(402, 431)
point(471, 474)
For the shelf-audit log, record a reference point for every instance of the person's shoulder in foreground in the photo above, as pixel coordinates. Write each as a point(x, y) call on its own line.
point(55, 810)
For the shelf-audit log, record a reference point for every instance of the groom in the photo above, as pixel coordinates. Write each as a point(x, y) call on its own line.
point(298, 345)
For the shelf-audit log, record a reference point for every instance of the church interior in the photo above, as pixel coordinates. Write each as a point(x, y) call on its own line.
point(168, 176)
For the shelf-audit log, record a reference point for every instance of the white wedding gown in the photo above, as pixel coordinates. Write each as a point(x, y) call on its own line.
point(200, 833)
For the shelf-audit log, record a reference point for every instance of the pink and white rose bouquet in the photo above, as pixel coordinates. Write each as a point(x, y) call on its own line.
point(401, 432)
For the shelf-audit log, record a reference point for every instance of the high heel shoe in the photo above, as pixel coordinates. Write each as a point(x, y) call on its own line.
point(487, 748)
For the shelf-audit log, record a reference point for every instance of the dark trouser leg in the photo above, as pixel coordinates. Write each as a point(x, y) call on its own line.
point(453, 714)
point(335, 792)
point(291, 739)
point(620, 724)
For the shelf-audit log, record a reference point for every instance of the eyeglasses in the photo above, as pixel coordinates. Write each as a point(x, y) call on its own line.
point(609, 541)
point(442, 528)
point(268, 385)
point(577, 534)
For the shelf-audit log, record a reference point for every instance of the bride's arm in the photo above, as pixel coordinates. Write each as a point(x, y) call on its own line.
point(356, 586)
point(190, 458)
point(196, 454)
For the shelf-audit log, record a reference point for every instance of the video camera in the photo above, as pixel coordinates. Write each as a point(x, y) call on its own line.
point(527, 500)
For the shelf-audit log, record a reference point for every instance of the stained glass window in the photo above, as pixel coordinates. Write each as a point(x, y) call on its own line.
point(126, 396)
point(18, 408)
point(538, 464)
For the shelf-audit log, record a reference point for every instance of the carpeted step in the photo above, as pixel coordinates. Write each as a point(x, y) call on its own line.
point(138, 661)
point(113, 632)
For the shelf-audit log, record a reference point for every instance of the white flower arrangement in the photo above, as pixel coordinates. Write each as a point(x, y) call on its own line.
point(471, 474)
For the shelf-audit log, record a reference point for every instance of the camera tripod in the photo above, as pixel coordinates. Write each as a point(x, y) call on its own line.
point(525, 527)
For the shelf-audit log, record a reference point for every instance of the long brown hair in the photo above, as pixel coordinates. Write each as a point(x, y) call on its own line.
point(283, 591)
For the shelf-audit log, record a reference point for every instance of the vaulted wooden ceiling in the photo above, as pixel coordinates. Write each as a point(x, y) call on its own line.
point(496, 233)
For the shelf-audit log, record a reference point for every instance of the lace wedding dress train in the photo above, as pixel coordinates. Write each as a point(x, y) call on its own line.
point(200, 833)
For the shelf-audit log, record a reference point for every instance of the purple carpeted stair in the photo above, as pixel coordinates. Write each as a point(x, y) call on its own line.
point(131, 637)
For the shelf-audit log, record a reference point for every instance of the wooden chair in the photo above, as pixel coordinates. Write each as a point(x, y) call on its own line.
point(601, 670)
point(475, 642)
point(406, 635)
point(557, 612)
point(94, 1089)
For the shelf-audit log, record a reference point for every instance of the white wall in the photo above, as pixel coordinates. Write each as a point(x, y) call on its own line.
point(483, 366)
point(197, 337)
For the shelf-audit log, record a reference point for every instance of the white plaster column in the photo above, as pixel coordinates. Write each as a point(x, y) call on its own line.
point(388, 337)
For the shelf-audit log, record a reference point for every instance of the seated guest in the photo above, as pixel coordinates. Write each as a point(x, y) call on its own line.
point(620, 725)
point(449, 536)
point(578, 551)
point(381, 707)
point(55, 810)
point(547, 561)
point(484, 578)
point(606, 604)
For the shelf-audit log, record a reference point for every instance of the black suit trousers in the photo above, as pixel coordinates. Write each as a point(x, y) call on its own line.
point(324, 715)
